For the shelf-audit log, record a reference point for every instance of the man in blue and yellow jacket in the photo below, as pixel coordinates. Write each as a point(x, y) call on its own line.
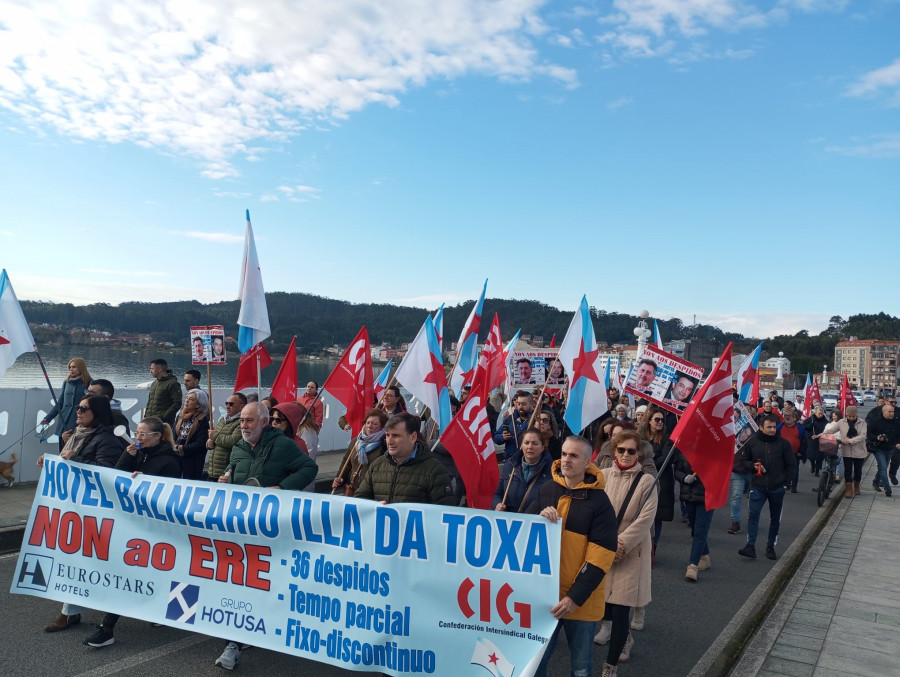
point(589, 542)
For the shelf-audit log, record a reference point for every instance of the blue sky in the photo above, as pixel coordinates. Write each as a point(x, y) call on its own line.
point(728, 159)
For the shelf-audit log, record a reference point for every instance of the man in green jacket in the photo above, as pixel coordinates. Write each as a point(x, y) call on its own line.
point(223, 437)
point(165, 393)
point(265, 457)
point(409, 472)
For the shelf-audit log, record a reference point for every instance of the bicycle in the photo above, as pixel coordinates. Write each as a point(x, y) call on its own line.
point(827, 480)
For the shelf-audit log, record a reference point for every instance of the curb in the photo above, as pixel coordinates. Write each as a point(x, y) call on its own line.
point(724, 653)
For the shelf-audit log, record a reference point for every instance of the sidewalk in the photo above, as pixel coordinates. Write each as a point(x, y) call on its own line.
point(840, 613)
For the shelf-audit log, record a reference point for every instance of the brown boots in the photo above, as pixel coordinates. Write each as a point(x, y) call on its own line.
point(856, 488)
point(63, 622)
point(848, 490)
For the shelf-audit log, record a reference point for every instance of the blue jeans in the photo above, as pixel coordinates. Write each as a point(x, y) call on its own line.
point(701, 518)
point(580, 636)
point(740, 482)
point(757, 498)
point(882, 458)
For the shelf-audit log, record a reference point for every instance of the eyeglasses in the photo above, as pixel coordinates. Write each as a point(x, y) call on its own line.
point(231, 404)
point(145, 434)
point(626, 450)
point(81, 409)
point(544, 419)
point(656, 420)
point(278, 419)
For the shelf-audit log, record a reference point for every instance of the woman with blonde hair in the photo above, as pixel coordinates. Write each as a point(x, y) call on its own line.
point(74, 389)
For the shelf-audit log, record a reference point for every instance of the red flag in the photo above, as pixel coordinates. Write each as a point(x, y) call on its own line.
point(705, 434)
point(247, 372)
point(848, 399)
point(468, 439)
point(491, 369)
point(284, 388)
point(351, 382)
point(815, 397)
point(754, 396)
point(553, 341)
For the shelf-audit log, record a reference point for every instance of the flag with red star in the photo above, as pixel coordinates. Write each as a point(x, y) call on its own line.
point(579, 355)
point(15, 335)
point(746, 377)
point(421, 372)
point(467, 347)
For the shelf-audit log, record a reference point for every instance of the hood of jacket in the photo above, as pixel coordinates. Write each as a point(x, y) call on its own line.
point(293, 412)
point(593, 478)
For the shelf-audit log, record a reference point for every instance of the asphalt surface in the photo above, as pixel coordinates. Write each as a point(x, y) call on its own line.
point(682, 621)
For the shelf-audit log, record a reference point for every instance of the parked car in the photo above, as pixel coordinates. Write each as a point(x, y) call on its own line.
point(869, 396)
point(829, 401)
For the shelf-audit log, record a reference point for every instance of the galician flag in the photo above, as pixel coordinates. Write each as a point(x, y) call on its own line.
point(467, 347)
point(439, 326)
point(657, 337)
point(421, 372)
point(15, 335)
point(253, 319)
point(579, 355)
point(382, 381)
point(488, 655)
point(746, 377)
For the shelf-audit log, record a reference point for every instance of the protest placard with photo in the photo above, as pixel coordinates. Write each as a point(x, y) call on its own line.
point(531, 368)
point(664, 379)
point(208, 344)
point(744, 425)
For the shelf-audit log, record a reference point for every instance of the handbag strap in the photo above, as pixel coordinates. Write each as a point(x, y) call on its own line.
point(527, 491)
point(631, 490)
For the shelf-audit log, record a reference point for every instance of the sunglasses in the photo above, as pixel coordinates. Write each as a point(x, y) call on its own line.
point(544, 420)
point(278, 419)
point(656, 420)
point(80, 409)
point(626, 450)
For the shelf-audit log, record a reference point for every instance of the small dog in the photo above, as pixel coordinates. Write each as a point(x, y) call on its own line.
point(6, 471)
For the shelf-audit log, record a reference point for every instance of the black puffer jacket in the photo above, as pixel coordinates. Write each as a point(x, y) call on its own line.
point(515, 496)
point(101, 447)
point(694, 492)
point(776, 455)
point(665, 506)
point(159, 461)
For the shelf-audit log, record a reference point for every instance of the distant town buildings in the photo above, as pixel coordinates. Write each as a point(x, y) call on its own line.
point(868, 363)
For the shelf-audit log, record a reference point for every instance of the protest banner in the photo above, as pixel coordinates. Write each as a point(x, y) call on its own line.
point(744, 425)
point(664, 379)
point(208, 344)
point(395, 589)
point(531, 368)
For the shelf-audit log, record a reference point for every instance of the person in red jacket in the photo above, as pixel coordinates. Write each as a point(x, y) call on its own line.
point(310, 400)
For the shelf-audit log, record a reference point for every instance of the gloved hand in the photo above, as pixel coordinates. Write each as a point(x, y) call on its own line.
point(690, 479)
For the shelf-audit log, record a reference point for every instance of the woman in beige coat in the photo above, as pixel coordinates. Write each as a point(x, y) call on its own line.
point(628, 580)
point(853, 449)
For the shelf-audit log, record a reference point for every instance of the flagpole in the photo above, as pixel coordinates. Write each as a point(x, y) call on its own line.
point(508, 484)
point(46, 376)
point(344, 467)
point(209, 387)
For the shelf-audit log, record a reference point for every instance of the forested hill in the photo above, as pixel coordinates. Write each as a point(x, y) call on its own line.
point(320, 322)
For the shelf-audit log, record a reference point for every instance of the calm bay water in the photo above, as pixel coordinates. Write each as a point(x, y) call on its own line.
point(127, 368)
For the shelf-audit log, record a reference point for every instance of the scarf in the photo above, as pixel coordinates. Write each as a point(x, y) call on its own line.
point(626, 467)
point(851, 428)
point(367, 443)
point(528, 470)
point(76, 441)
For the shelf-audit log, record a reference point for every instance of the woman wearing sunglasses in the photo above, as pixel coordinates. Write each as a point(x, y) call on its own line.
point(628, 580)
point(92, 442)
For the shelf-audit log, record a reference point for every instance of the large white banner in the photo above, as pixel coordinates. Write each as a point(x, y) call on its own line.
point(400, 589)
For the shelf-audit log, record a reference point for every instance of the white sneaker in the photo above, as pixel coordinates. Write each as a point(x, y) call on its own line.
point(637, 621)
point(229, 657)
point(602, 636)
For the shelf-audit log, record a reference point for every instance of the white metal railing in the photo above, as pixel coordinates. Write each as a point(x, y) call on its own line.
point(22, 409)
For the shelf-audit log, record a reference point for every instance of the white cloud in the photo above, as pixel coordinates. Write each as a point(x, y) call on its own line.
point(128, 273)
point(224, 238)
point(887, 78)
point(268, 198)
point(619, 103)
point(216, 79)
point(81, 291)
point(300, 193)
point(764, 325)
point(877, 146)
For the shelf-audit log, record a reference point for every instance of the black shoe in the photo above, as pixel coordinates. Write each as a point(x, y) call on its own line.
point(876, 486)
point(793, 490)
point(894, 480)
point(102, 637)
point(888, 492)
point(748, 551)
point(817, 473)
point(770, 552)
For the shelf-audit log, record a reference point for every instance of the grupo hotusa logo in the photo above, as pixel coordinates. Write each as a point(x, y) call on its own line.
point(183, 602)
point(35, 572)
